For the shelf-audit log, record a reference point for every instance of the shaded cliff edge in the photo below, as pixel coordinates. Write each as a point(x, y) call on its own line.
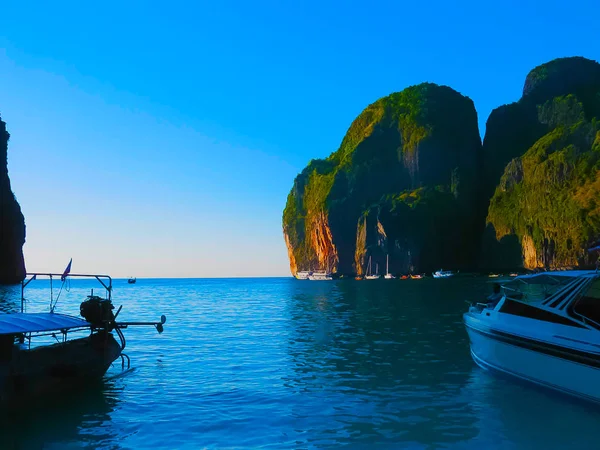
point(408, 161)
point(12, 222)
point(540, 163)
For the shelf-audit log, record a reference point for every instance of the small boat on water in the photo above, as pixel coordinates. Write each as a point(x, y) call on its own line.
point(543, 328)
point(443, 274)
point(303, 275)
point(388, 275)
point(370, 275)
point(320, 275)
point(494, 275)
point(132, 280)
point(38, 356)
point(417, 276)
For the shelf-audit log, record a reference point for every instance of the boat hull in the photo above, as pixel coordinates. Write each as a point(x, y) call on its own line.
point(33, 373)
point(562, 370)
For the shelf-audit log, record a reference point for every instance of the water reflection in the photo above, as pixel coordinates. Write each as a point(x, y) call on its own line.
point(390, 358)
point(10, 298)
point(82, 416)
point(512, 412)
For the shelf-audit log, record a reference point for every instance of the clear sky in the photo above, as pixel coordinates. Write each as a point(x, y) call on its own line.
point(162, 138)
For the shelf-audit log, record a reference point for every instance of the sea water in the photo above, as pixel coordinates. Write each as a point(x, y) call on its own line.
point(282, 363)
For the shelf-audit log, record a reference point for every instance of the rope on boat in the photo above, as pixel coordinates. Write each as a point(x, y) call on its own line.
point(120, 374)
point(66, 283)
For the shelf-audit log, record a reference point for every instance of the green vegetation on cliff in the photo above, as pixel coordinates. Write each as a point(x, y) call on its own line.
point(546, 194)
point(422, 137)
point(412, 180)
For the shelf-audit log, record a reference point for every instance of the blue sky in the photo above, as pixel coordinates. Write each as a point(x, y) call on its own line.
point(162, 138)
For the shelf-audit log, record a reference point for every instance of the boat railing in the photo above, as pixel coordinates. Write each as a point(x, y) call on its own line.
point(104, 280)
point(584, 319)
point(512, 293)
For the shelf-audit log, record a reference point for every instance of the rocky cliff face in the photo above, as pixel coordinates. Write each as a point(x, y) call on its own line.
point(412, 181)
point(12, 223)
point(541, 159)
point(403, 183)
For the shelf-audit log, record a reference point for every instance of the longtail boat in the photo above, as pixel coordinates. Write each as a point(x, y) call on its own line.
point(82, 350)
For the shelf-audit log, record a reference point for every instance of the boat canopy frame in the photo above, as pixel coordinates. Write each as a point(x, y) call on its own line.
point(104, 280)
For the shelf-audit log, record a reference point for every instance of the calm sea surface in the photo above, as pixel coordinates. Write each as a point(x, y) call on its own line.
point(281, 363)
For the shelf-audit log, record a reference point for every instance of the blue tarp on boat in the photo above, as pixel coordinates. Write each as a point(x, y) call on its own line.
point(37, 322)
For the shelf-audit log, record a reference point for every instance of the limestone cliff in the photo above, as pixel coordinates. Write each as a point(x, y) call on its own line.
point(541, 159)
point(404, 183)
point(12, 223)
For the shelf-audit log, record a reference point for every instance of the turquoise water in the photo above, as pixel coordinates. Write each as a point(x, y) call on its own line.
point(281, 363)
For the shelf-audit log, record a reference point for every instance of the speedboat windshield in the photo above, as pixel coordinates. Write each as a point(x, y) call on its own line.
point(535, 288)
point(588, 305)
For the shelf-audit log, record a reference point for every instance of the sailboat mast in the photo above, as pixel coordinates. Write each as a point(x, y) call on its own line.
point(387, 264)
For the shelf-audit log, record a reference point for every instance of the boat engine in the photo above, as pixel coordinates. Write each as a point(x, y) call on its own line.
point(98, 311)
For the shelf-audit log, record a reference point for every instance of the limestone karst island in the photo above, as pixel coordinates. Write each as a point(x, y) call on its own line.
point(413, 184)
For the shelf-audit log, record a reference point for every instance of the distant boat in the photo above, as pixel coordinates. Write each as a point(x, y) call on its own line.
point(404, 277)
point(132, 280)
point(303, 275)
point(416, 277)
point(443, 274)
point(493, 275)
point(322, 275)
point(514, 274)
point(369, 275)
point(388, 275)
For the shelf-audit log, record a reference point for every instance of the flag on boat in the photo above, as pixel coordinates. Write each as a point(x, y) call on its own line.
point(67, 271)
point(594, 249)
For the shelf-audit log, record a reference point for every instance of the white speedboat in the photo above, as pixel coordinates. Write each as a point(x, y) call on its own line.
point(544, 328)
point(443, 274)
point(320, 276)
point(303, 275)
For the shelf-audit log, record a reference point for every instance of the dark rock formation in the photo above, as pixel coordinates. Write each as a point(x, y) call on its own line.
point(12, 223)
point(404, 182)
point(541, 163)
point(411, 180)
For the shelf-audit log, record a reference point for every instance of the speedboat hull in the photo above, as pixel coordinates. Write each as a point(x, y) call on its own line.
point(559, 367)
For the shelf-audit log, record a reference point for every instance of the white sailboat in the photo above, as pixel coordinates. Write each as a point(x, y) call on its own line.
point(369, 275)
point(388, 275)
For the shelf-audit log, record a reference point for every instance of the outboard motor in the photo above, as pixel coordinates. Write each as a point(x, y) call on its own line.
point(98, 311)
